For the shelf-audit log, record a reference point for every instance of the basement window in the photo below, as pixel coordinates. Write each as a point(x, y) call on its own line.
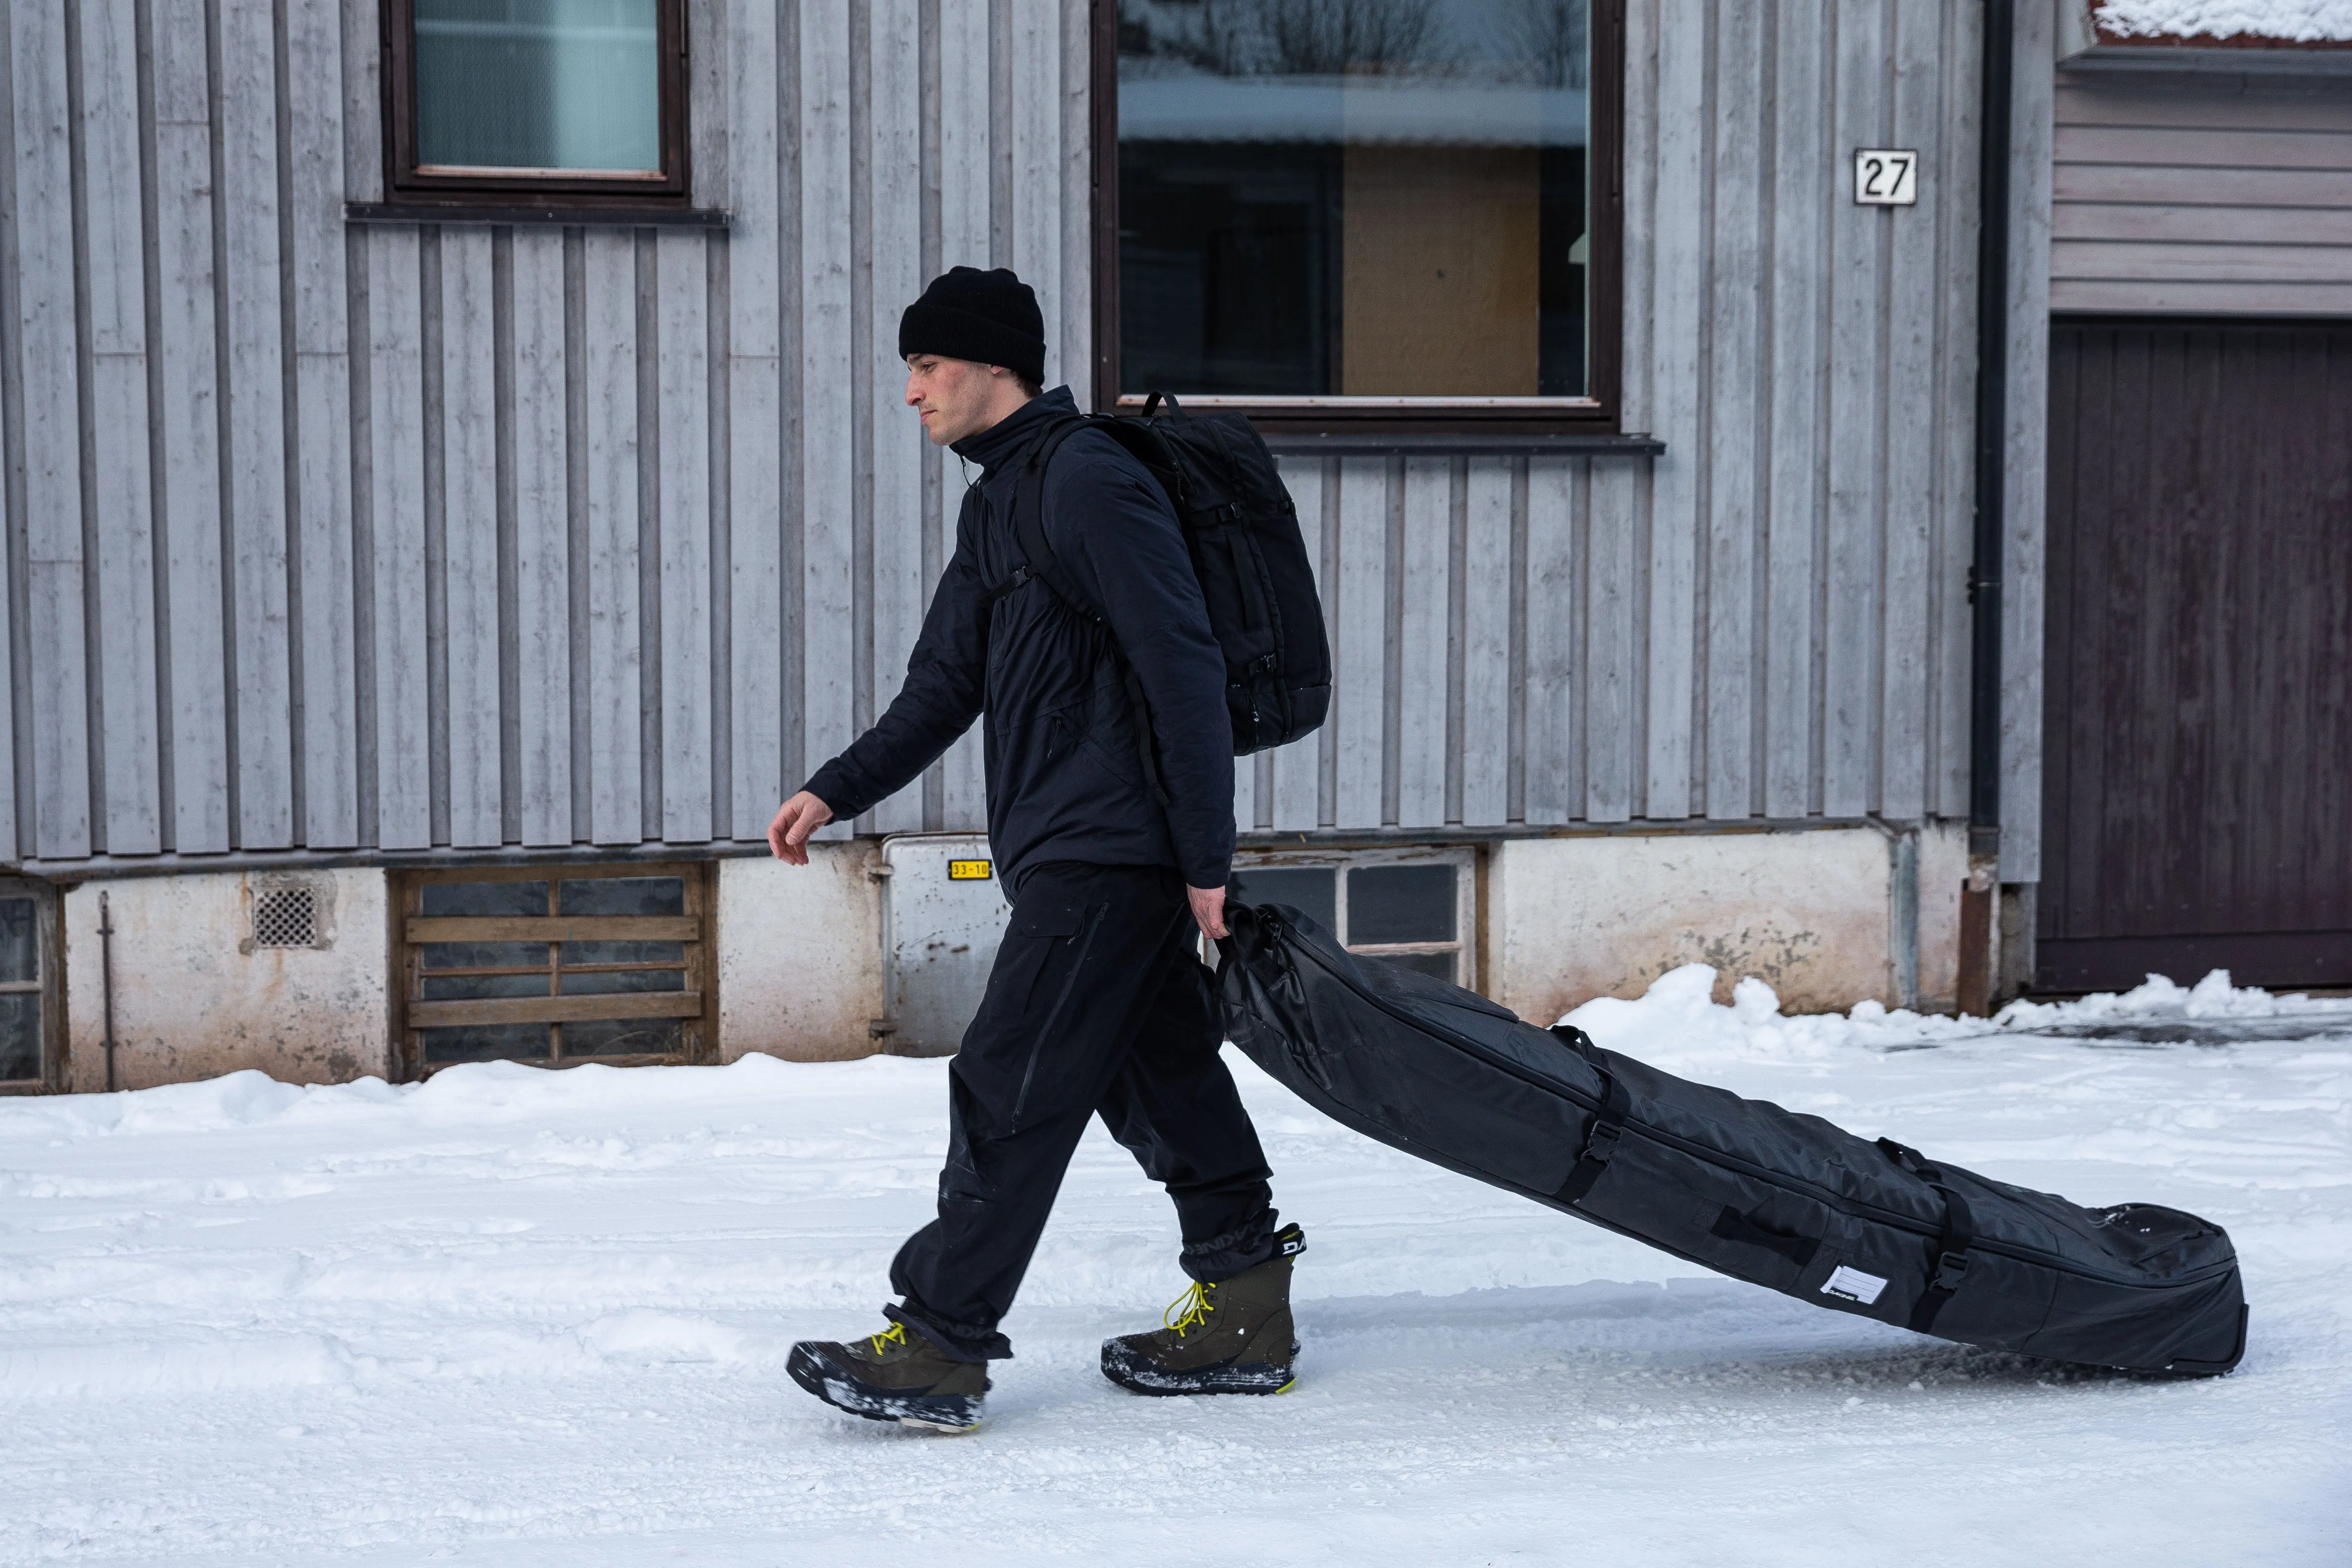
point(555, 966)
point(30, 1019)
point(1414, 908)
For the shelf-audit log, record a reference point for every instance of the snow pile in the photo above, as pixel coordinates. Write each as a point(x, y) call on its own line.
point(518, 1318)
point(2293, 21)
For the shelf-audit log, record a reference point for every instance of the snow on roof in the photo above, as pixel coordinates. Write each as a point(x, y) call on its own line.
point(2242, 21)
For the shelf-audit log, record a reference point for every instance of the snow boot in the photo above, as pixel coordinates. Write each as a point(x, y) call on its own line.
point(1231, 1337)
point(893, 1376)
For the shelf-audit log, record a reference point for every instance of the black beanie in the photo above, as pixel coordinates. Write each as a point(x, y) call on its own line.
point(991, 318)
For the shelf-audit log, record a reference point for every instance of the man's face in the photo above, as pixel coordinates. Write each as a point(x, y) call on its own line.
point(954, 397)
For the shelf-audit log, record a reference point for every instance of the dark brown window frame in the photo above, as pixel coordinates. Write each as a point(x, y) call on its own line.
point(405, 183)
point(1599, 412)
point(48, 983)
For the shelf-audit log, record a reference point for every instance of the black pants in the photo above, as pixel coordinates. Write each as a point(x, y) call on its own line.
point(1097, 1003)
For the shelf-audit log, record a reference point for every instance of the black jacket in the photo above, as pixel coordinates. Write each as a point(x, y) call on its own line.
point(1065, 778)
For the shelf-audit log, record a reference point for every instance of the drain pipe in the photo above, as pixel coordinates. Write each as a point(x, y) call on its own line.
point(106, 981)
point(1979, 901)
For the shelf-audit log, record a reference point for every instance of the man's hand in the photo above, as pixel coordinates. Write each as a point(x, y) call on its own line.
point(798, 817)
point(1208, 911)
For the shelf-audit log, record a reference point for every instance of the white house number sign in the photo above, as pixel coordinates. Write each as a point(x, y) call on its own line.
point(1886, 177)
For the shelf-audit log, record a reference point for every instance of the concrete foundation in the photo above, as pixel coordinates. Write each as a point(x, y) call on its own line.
point(1813, 914)
point(195, 997)
point(1822, 916)
point(800, 954)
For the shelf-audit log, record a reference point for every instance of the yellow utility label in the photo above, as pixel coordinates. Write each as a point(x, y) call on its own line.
point(966, 870)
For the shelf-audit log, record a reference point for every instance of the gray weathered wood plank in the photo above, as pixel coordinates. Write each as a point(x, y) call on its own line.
point(396, 438)
point(122, 486)
point(254, 383)
point(1612, 656)
point(469, 529)
point(1359, 641)
point(49, 376)
point(894, 438)
point(319, 265)
point(1801, 193)
point(1486, 643)
point(755, 456)
point(1421, 738)
point(827, 422)
point(1076, 287)
point(1552, 666)
point(1956, 413)
point(1737, 387)
point(188, 512)
point(2027, 441)
point(1910, 481)
point(615, 652)
point(1299, 767)
point(542, 541)
point(1677, 327)
point(1034, 87)
point(963, 178)
point(682, 269)
point(1858, 238)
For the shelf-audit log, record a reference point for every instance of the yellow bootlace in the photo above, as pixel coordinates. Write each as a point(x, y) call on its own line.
point(1189, 1310)
point(896, 1334)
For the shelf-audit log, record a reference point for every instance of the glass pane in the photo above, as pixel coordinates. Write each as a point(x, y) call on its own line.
point(626, 980)
point(465, 987)
point(538, 84)
point(1439, 965)
point(622, 1037)
point(624, 952)
point(1312, 890)
point(482, 954)
point(486, 1043)
point(20, 939)
point(1360, 197)
point(1401, 903)
point(624, 896)
point(20, 1035)
point(477, 900)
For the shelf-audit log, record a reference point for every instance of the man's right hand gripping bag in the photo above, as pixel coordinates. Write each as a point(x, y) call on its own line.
point(1740, 1186)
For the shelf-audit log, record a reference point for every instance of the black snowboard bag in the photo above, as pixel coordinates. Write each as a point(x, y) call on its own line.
point(1739, 1185)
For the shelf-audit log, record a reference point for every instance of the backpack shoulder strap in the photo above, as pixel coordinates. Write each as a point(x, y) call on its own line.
point(1037, 558)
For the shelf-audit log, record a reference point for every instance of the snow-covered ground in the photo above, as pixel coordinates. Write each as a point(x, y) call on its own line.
point(518, 1318)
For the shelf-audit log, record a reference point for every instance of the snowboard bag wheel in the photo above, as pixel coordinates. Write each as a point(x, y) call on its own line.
point(1740, 1186)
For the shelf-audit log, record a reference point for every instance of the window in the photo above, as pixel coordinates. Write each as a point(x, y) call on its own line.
point(554, 965)
point(1356, 210)
point(1410, 907)
point(569, 101)
point(29, 1019)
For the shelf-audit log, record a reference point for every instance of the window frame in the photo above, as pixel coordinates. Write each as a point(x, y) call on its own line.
point(48, 984)
point(697, 1030)
point(404, 181)
point(1599, 412)
point(1462, 858)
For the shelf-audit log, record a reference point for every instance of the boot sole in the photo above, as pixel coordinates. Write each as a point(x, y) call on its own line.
point(1138, 1376)
point(952, 1414)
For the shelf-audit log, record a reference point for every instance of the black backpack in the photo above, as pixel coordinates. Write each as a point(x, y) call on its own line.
point(1241, 532)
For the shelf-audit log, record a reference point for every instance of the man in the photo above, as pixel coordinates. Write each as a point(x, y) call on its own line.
point(1097, 1003)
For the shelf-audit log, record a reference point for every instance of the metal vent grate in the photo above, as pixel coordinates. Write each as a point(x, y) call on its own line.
point(285, 917)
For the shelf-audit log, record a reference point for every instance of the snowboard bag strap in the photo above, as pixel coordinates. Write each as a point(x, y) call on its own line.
point(1951, 1266)
point(1608, 1122)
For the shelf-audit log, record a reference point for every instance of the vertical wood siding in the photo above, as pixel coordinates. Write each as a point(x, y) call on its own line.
point(401, 537)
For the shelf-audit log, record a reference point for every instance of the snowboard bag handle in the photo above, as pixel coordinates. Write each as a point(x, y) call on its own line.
point(1608, 1122)
point(1952, 1268)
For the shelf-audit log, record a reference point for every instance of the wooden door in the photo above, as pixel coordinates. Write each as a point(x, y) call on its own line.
point(2197, 793)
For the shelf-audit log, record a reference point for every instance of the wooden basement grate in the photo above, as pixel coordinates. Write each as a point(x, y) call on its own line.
point(554, 965)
